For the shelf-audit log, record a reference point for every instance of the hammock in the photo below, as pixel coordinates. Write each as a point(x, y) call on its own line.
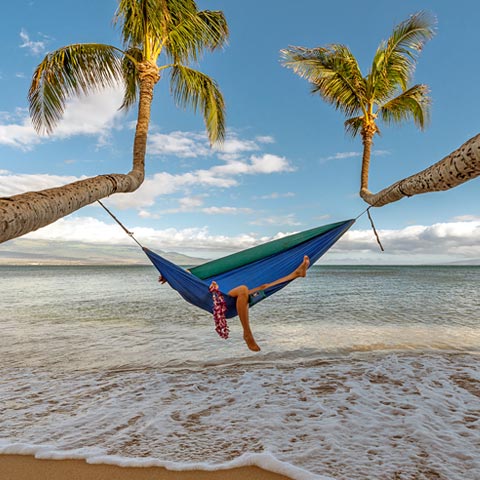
point(252, 267)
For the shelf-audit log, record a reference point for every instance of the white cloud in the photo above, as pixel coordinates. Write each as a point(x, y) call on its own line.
point(265, 139)
point(94, 114)
point(233, 147)
point(93, 231)
point(380, 153)
point(13, 184)
point(195, 204)
point(192, 145)
point(226, 210)
point(34, 47)
point(189, 203)
point(146, 214)
point(159, 184)
point(275, 195)
point(288, 220)
point(466, 218)
point(83, 117)
point(269, 163)
point(420, 244)
point(179, 144)
point(19, 135)
point(218, 176)
point(344, 155)
point(416, 244)
point(341, 156)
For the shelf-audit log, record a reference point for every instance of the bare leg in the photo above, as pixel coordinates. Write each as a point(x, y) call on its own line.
point(300, 271)
point(241, 293)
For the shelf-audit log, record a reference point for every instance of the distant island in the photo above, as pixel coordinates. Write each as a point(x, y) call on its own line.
point(42, 252)
point(24, 251)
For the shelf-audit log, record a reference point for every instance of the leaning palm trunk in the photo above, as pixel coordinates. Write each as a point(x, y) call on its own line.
point(461, 165)
point(30, 211)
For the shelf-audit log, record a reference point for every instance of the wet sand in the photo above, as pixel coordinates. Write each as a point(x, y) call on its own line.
point(24, 467)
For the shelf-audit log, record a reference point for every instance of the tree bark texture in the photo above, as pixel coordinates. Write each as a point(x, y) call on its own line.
point(30, 211)
point(460, 166)
point(368, 131)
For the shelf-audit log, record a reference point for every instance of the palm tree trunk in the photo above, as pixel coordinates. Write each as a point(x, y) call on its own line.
point(460, 166)
point(368, 131)
point(29, 211)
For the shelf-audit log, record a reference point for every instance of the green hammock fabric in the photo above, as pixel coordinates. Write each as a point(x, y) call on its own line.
point(245, 257)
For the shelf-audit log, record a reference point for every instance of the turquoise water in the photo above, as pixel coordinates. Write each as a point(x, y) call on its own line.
point(375, 364)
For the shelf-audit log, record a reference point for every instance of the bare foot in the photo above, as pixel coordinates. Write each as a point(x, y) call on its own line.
point(251, 343)
point(301, 271)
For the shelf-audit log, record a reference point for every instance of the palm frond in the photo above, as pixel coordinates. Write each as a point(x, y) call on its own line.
point(142, 19)
point(175, 24)
point(333, 73)
point(194, 33)
point(70, 71)
point(394, 61)
point(413, 103)
point(197, 90)
point(130, 77)
point(353, 126)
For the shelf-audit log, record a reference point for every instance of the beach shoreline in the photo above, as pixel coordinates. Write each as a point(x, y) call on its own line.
point(27, 467)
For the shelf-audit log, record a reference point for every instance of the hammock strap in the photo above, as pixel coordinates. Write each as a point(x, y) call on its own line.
point(128, 232)
point(374, 230)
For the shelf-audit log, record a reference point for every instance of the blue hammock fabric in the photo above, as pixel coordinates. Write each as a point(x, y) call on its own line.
point(265, 270)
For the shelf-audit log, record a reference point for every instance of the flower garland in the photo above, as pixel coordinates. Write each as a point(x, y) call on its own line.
point(219, 309)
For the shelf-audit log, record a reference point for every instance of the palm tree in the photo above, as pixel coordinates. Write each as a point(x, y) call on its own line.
point(383, 94)
point(171, 30)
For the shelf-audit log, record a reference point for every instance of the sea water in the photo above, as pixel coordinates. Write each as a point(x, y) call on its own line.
point(364, 373)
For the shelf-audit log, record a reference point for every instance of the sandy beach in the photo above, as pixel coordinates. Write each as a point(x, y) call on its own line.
point(23, 467)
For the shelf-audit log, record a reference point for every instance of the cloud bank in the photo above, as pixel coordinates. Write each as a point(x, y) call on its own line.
point(93, 115)
point(439, 243)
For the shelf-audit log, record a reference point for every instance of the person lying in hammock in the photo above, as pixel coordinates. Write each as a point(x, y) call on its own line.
point(242, 293)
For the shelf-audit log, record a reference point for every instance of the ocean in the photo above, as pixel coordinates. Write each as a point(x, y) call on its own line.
point(365, 373)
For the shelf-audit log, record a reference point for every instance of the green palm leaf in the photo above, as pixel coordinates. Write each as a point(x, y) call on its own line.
point(353, 126)
point(333, 73)
point(194, 33)
point(144, 19)
point(69, 71)
point(412, 104)
point(132, 57)
point(394, 62)
point(193, 88)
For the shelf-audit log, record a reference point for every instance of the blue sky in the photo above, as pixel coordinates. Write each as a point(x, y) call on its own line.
point(287, 164)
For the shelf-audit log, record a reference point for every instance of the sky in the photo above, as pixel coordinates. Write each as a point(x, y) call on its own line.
point(286, 165)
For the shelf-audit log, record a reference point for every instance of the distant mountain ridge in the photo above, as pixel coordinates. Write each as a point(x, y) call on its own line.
point(23, 251)
point(41, 252)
